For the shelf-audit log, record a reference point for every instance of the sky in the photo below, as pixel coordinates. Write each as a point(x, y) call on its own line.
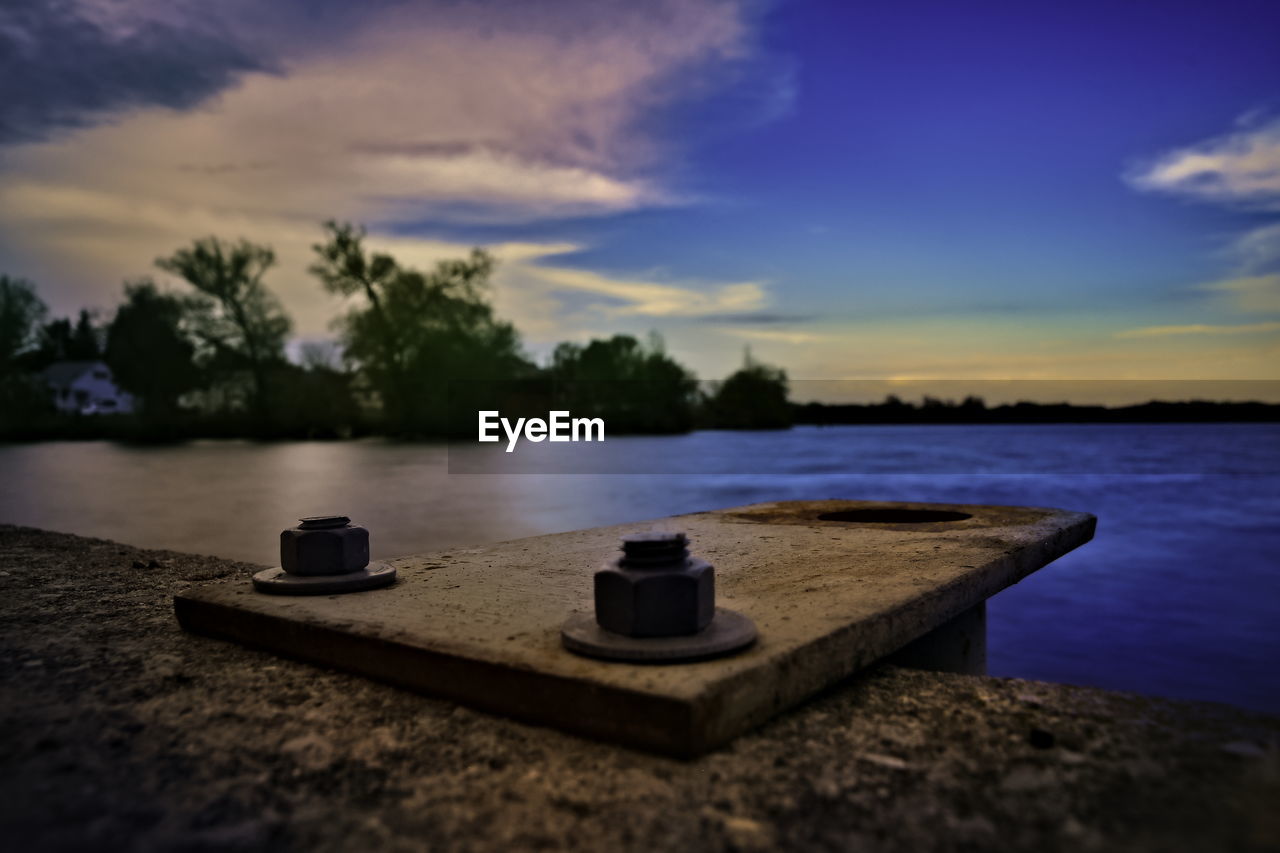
point(905, 190)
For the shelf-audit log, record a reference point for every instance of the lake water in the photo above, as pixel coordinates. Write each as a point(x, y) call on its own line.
point(1179, 594)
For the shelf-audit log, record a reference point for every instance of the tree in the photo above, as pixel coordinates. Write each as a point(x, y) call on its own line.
point(414, 332)
point(755, 397)
point(61, 340)
point(21, 311)
point(149, 350)
point(85, 343)
point(318, 401)
point(634, 387)
point(245, 327)
point(345, 269)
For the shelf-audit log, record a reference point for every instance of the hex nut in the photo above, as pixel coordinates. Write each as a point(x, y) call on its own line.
point(656, 602)
point(326, 551)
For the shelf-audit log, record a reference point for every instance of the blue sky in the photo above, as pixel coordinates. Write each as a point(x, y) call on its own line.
point(887, 190)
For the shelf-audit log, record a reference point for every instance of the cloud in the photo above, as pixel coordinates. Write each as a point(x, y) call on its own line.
point(1257, 294)
point(391, 114)
point(780, 336)
point(1241, 167)
point(625, 297)
point(760, 318)
point(1258, 251)
point(1199, 329)
point(550, 302)
point(63, 67)
point(465, 112)
point(74, 229)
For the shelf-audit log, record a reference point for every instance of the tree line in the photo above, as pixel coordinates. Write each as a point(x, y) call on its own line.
point(418, 353)
point(974, 410)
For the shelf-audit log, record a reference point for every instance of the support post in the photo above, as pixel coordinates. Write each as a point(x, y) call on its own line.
point(958, 645)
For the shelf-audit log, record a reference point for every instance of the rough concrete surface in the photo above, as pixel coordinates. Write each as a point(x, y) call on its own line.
point(483, 625)
point(120, 731)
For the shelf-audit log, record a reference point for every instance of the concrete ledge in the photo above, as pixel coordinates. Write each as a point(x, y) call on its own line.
point(118, 730)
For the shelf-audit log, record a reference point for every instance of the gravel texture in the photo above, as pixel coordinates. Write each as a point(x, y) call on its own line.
point(119, 731)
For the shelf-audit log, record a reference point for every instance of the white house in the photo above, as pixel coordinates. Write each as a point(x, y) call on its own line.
point(86, 388)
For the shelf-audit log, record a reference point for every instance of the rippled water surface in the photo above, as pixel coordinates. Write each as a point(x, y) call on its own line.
point(1178, 595)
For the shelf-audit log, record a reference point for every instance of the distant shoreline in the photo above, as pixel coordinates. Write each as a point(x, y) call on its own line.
point(898, 413)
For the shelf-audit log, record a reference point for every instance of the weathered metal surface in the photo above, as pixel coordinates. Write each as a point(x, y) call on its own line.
point(829, 596)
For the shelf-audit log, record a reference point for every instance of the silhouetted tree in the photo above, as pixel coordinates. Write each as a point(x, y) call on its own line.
point(754, 397)
point(21, 310)
point(62, 340)
point(86, 339)
point(344, 268)
point(414, 332)
point(149, 349)
point(634, 387)
point(20, 314)
point(244, 326)
point(315, 401)
point(895, 403)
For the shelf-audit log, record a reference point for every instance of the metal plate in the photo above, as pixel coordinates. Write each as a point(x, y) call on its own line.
point(829, 596)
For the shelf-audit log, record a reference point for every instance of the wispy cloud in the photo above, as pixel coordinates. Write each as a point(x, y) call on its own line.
point(1199, 329)
point(1237, 169)
point(1258, 251)
point(779, 336)
point(1240, 167)
point(757, 318)
point(626, 297)
point(1256, 294)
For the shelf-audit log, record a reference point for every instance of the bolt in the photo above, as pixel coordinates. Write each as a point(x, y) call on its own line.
point(655, 589)
point(654, 550)
point(324, 545)
point(323, 522)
